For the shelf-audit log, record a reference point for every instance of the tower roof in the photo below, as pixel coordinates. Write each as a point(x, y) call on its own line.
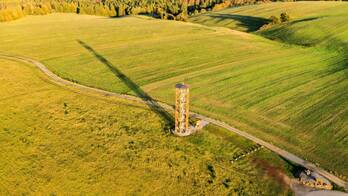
point(181, 86)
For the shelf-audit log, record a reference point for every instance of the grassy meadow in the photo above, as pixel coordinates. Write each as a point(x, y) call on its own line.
point(56, 141)
point(312, 23)
point(319, 26)
point(251, 18)
point(293, 96)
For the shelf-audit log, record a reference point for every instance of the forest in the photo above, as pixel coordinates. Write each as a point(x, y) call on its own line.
point(164, 9)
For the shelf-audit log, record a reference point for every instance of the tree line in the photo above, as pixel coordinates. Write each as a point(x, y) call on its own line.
point(164, 9)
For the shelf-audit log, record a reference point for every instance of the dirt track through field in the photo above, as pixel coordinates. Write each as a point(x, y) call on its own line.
point(287, 155)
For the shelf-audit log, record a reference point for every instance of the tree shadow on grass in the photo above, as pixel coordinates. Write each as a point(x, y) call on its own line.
point(306, 20)
point(251, 23)
point(153, 105)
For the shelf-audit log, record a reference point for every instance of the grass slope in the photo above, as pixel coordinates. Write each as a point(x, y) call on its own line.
point(315, 23)
point(252, 17)
point(327, 28)
point(320, 25)
point(291, 96)
point(54, 141)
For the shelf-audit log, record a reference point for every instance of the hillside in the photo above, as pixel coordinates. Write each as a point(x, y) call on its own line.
point(292, 96)
point(251, 18)
point(61, 141)
point(313, 23)
point(327, 28)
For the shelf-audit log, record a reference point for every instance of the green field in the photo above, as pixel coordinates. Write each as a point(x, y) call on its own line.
point(57, 141)
point(252, 17)
point(312, 23)
point(317, 26)
point(295, 97)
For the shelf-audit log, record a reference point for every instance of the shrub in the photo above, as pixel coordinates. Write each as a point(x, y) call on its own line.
point(274, 20)
point(284, 17)
point(266, 26)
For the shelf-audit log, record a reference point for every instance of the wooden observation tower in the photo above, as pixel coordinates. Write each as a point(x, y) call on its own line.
point(182, 100)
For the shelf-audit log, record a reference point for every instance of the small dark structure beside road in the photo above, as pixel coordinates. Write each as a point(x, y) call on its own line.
point(313, 179)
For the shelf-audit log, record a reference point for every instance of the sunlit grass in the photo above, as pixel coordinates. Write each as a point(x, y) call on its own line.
point(252, 17)
point(292, 96)
point(57, 141)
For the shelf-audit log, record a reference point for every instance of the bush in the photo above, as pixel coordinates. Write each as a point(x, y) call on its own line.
point(274, 20)
point(266, 26)
point(284, 17)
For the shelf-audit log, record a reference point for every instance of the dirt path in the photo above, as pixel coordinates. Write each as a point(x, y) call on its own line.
point(287, 155)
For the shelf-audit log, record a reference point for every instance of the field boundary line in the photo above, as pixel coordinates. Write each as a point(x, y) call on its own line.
point(283, 153)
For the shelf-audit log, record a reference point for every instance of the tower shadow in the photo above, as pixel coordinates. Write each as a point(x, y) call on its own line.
point(153, 105)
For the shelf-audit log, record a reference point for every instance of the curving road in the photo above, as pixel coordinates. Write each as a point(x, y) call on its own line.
point(285, 154)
